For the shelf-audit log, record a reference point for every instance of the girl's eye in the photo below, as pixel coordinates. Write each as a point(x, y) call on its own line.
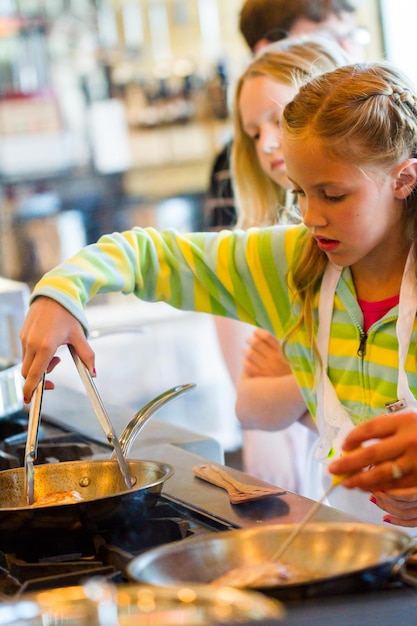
point(297, 192)
point(333, 198)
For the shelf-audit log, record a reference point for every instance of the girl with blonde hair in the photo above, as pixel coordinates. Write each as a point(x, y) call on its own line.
point(269, 404)
point(274, 75)
point(340, 289)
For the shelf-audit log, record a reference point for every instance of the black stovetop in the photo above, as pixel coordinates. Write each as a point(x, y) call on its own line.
point(42, 560)
point(187, 507)
point(56, 443)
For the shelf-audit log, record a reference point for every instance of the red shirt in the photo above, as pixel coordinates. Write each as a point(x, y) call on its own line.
point(373, 311)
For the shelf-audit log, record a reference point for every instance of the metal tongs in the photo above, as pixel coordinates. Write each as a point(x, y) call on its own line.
point(32, 441)
point(102, 415)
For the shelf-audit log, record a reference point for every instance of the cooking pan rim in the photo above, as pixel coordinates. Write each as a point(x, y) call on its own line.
point(388, 562)
point(255, 530)
point(168, 469)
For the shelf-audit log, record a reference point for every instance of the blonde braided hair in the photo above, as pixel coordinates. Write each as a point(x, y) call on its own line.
point(349, 111)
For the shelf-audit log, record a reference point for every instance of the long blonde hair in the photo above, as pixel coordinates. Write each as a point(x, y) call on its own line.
point(364, 114)
point(291, 61)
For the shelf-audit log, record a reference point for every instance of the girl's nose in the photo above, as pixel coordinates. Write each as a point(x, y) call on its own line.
point(311, 214)
point(270, 146)
point(270, 142)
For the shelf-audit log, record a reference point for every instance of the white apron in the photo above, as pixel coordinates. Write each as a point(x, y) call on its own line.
point(333, 420)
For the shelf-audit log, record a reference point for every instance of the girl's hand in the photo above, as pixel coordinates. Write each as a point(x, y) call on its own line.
point(400, 504)
point(386, 457)
point(47, 326)
point(268, 397)
point(264, 356)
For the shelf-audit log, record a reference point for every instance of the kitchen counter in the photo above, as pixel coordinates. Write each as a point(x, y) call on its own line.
point(378, 608)
point(397, 604)
point(184, 449)
point(71, 409)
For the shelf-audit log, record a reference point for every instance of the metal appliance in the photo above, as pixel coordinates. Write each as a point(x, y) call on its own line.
point(70, 431)
point(188, 507)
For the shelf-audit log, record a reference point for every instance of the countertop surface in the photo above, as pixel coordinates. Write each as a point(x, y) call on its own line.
point(184, 449)
point(377, 608)
point(395, 604)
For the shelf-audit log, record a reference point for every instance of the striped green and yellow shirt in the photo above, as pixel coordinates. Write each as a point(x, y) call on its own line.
point(242, 275)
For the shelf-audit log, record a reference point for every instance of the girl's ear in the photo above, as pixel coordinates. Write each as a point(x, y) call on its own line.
point(405, 179)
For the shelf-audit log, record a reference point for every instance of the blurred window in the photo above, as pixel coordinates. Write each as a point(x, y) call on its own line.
point(399, 21)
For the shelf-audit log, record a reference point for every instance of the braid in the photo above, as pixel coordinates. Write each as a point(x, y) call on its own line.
point(407, 102)
point(405, 96)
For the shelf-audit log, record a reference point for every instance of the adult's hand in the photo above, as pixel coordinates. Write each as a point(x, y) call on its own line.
point(399, 504)
point(47, 326)
point(386, 454)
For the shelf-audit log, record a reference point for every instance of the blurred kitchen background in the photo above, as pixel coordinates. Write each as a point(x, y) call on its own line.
point(111, 112)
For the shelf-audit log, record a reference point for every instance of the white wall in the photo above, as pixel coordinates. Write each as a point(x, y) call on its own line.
point(174, 348)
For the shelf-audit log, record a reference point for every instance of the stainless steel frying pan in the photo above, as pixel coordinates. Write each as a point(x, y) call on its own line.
point(106, 501)
point(334, 556)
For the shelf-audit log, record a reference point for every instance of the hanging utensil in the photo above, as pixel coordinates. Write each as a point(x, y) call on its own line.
point(32, 441)
point(102, 415)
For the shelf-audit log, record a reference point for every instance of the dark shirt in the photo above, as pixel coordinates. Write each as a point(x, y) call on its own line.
point(219, 210)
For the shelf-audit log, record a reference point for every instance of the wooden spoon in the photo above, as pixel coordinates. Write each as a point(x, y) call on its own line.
point(238, 492)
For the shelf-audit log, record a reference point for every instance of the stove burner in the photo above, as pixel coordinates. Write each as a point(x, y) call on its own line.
point(45, 560)
point(13, 425)
point(54, 444)
point(36, 564)
point(65, 447)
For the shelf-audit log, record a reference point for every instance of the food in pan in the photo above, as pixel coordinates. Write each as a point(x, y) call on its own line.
point(261, 575)
point(59, 497)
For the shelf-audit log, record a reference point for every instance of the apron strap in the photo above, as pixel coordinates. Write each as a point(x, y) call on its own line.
point(333, 420)
point(404, 328)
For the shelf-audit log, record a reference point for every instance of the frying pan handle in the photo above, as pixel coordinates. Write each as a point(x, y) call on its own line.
point(140, 418)
point(400, 567)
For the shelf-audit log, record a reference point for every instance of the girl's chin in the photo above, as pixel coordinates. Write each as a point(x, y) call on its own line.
point(280, 178)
